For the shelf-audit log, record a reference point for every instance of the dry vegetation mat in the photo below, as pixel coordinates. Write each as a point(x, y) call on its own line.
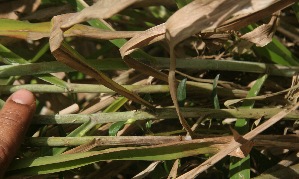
point(155, 89)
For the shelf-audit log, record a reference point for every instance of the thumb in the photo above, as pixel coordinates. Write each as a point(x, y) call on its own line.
point(15, 118)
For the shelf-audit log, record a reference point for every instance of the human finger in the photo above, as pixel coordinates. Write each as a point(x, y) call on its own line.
point(15, 118)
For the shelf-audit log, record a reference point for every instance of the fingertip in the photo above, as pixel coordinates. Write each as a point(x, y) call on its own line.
point(23, 96)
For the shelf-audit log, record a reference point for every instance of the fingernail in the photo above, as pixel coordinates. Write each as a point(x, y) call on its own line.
point(23, 97)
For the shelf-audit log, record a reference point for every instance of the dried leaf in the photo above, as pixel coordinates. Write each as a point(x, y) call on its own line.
point(263, 34)
point(185, 22)
point(82, 148)
point(256, 5)
point(174, 170)
point(244, 20)
point(256, 122)
point(102, 9)
point(237, 136)
point(242, 151)
point(142, 39)
point(147, 171)
point(245, 148)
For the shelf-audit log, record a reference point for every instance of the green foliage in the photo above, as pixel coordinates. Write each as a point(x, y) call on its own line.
point(241, 167)
point(181, 92)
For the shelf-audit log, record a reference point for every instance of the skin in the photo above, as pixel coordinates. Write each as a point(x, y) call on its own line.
point(15, 118)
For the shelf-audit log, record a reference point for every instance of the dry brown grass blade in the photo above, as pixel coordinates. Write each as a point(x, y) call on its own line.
point(142, 39)
point(65, 55)
point(263, 34)
point(244, 149)
point(102, 9)
point(82, 148)
point(239, 22)
point(174, 170)
point(234, 145)
point(147, 171)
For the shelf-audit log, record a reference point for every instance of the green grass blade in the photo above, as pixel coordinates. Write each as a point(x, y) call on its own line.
point(115, 127)
point(214, 93)
point(52, 164)
point(241, 167)
point(181, 92)
point(97, 23)
point(40, 53)
point(24, 30)
point(119, 64)
point(9, 57)
point(116, 105)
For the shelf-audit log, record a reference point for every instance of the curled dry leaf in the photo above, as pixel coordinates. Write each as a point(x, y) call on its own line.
point(102, 9)
point(263, 34)
point(200, 15)
point(245, 148)
point(65, 54)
